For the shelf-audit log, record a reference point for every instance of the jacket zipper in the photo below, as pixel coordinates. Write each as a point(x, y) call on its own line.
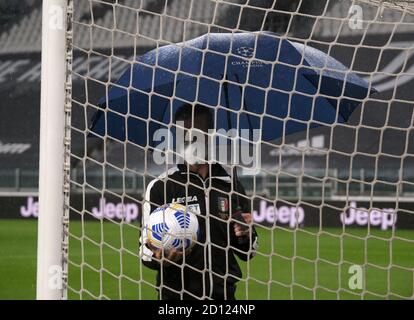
point(208, 235)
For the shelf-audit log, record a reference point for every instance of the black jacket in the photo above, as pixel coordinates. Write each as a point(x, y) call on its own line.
point(216, 255)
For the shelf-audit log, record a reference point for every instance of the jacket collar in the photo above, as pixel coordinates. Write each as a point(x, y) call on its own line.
point(217, 171)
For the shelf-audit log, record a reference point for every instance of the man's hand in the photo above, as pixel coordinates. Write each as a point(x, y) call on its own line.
point(172, 255)
point(242, 230)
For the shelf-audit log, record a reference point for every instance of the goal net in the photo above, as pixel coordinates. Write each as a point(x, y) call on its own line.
point(330, 190)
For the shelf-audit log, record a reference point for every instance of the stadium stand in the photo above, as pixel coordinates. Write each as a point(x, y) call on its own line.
point(25, 35)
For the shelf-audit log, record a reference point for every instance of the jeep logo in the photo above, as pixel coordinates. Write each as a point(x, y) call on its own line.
point(385, 218)
point(290, 215)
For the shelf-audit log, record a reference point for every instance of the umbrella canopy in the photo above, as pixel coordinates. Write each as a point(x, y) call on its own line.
point(251, 81)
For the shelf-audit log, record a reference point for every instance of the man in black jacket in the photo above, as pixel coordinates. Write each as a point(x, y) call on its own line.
point(210, 270)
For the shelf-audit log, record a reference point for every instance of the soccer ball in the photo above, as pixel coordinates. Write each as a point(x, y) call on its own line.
point(172, 226)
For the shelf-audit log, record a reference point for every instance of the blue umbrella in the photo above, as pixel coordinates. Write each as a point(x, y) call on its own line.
point(252, 80)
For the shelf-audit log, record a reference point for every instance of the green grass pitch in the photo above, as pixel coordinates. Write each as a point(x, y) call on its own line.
point(301, 264)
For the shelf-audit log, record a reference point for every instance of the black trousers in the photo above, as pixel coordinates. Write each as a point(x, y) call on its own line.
point(166, 294)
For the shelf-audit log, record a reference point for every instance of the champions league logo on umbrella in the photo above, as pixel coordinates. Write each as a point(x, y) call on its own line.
point(246, 52)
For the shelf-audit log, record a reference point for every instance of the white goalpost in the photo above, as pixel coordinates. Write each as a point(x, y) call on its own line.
point(333, 204)
point(54, 146)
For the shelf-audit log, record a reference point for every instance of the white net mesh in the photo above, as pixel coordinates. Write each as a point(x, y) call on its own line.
point(332, 203)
